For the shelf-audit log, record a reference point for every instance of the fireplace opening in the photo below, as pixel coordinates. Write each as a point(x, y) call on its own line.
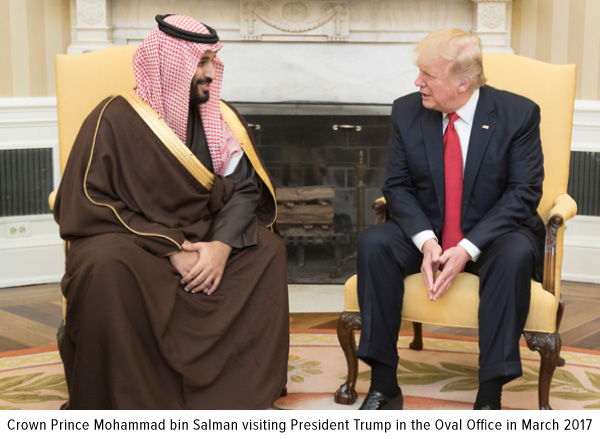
point(323, 165)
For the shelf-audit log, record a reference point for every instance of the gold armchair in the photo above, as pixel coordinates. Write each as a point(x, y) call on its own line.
point(82, 82)
point(552, 87)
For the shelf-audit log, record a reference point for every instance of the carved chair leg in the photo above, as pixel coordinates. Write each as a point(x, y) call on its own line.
point(559, 316)
point(548, 345)
point(348, 323)
point(417, 343)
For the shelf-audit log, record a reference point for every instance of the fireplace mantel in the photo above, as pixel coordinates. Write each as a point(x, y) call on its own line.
point(353, 51)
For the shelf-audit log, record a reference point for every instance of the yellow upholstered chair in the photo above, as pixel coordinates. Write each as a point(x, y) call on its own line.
point(552, 87)
point(82, 82)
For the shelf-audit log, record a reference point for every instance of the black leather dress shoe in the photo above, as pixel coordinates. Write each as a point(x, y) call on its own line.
point(477, 406)
point(378, 401)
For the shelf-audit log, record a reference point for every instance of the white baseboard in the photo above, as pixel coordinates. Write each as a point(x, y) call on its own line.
point(582, 250)
point(35, 256)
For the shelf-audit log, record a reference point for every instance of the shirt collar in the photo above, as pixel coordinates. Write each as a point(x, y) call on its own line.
point(467, 111)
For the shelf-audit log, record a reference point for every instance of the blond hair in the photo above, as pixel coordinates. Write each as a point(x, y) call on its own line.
point(462, 50)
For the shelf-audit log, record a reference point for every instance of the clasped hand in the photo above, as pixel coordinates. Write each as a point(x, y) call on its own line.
point(453, 261)
point(201, 265)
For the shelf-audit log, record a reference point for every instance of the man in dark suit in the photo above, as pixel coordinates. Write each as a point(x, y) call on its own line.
point(463, 181)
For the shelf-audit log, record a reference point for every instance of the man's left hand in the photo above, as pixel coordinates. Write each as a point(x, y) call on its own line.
point(453, 260)
point(206, 275)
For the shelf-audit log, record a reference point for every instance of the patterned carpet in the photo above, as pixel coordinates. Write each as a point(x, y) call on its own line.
point(32, 380)
point(442, 376)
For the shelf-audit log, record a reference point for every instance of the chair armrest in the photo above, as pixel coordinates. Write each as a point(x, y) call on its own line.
point(564, 208)
point(51, 199)
point(381, 212)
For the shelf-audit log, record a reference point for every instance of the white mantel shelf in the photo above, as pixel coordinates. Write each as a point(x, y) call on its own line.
point(312, 50)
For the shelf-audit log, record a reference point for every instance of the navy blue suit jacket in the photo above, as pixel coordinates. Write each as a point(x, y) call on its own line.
point(503, 174)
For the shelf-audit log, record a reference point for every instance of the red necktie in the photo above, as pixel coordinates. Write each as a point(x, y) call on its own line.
point(453, 171)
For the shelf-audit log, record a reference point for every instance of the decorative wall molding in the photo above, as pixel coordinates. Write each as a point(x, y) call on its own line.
point(92, 25)
point(586, 126)
point(327, 21)
point(294, 20)
point(30, 123)
point(491, 21)
point(302, 50)
point(30, 113)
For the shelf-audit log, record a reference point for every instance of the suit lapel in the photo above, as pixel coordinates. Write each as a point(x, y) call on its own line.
point(431, 125)
point(484, 124)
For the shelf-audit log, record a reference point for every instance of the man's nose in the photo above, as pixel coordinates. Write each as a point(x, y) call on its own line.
point(419, 80)
point(209, 70)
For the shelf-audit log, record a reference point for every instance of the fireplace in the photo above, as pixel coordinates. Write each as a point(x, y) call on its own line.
point(323, 158)
point(297, 68)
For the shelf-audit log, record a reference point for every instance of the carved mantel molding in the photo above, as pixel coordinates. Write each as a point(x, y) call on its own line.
point(277, 37)
point(102, 23)
point(92, 27)
point(294, 20)
point(492, 23)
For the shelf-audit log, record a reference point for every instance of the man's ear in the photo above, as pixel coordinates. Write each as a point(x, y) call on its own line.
point(465, 84)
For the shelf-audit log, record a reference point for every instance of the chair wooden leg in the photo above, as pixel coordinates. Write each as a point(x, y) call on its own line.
point(417, 343)
point(559, 316)
point(348, 323)
point(548, 345)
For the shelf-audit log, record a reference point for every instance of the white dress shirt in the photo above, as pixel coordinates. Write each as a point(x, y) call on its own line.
point(463, 126)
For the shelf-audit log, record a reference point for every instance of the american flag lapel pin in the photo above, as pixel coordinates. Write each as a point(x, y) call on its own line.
point(485, 127)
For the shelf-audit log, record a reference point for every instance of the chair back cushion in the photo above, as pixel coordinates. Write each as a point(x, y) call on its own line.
point(82, 82)
point(552, 87)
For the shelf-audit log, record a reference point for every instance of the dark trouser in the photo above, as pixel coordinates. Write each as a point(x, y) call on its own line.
point(505, 269)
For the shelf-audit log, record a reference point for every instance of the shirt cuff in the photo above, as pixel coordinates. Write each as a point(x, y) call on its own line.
point(471, 249)
point(420, 238)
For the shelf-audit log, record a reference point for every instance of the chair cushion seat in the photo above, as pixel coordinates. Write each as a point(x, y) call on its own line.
point(458, 307)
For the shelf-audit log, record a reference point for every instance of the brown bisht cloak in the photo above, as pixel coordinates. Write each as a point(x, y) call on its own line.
point(131, 193)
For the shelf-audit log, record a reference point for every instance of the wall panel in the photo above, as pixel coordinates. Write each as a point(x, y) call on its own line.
point(32, 32)
point(561, 31)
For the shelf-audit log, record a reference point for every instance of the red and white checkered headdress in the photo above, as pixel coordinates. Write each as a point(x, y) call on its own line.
point(164, 66)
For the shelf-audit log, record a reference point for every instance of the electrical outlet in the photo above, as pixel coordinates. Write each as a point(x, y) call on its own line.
point(17, 230)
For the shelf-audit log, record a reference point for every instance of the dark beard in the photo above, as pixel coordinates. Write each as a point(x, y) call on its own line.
point(195, 97)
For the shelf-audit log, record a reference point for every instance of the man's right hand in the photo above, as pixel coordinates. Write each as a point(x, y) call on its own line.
point(431, 262)
point(184, 261)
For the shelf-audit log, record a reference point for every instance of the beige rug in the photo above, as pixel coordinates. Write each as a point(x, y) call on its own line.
point(442, 376)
